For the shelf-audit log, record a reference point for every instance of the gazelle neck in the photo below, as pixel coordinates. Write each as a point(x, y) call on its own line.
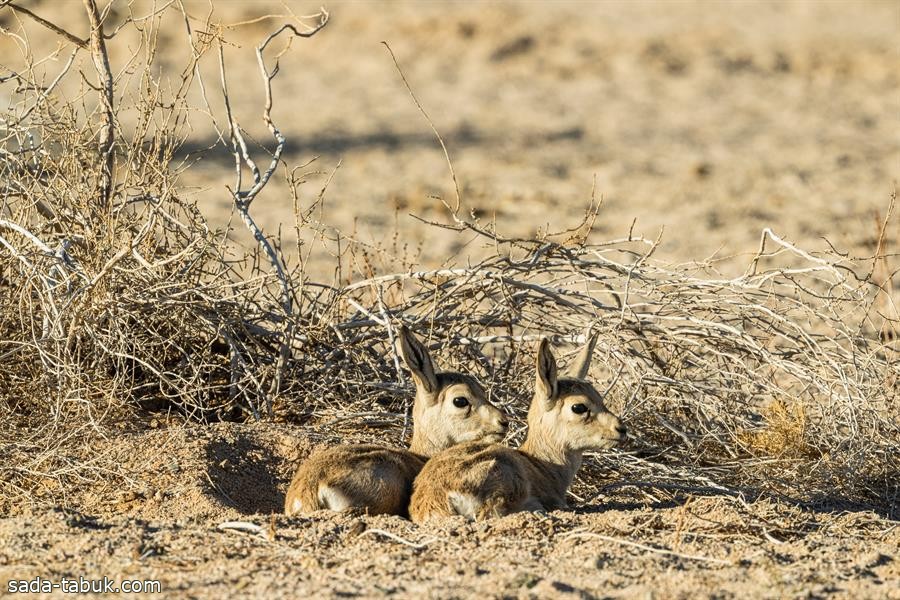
point(421, 444)
point(555, 464)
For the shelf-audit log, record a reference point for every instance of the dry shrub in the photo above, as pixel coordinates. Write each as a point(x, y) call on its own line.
point(784, 433)
point(117, 299)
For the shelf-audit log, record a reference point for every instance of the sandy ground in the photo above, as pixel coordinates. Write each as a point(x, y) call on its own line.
point(712, 120)
point(159, 518)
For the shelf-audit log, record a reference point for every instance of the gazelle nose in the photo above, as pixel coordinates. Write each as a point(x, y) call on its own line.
point(622, 430)
point(504, 423)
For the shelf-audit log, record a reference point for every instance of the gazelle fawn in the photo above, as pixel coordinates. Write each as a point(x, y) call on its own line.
point(449, 408)
point(478, 480)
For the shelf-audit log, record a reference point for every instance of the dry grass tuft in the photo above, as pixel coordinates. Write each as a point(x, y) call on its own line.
point(784, 434)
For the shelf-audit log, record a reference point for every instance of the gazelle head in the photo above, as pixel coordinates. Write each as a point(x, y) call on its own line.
point(567, 414)
point(450, 408)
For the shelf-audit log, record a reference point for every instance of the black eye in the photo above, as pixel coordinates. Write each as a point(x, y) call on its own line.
point(460, 402)
point(579, 409)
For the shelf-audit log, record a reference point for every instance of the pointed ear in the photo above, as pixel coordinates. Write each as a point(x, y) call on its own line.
point(582, 364)
point(545, 386)
point(418, 360)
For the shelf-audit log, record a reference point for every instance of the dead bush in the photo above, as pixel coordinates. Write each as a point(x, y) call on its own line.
point(117, 298)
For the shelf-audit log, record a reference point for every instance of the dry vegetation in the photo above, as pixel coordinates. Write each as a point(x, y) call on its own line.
point(122, 308)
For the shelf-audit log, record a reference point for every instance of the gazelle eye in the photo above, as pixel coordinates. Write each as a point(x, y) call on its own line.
point(579, 409)
point(460, 402)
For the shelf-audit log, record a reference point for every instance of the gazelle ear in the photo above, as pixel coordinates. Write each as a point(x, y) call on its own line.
point(545, 385)
point(418, 360)
point(582, 364)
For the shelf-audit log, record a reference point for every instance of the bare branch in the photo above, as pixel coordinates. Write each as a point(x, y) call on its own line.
point(456, 206)
point(107, 131)
point(244, 198)
point(52, 27)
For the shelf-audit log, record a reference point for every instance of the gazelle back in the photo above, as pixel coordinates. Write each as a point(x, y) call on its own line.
point(449, 408)
point(566, 418)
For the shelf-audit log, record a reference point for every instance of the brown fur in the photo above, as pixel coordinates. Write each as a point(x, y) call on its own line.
point(373, 478)
point(378, 479)
point(482, 480)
